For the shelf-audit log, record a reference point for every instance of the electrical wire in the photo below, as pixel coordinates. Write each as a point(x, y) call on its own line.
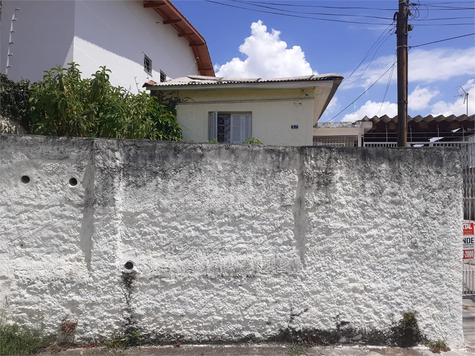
point(445, 39)
point(379, 42)
point(251, 3)
point(387, 86)
point(321, 6)
point(294, 16)
point(377, 80)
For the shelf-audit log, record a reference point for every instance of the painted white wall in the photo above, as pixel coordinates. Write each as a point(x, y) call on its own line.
point(273, 113)
point(43, 37)
point(116, 34)
point(228, 241)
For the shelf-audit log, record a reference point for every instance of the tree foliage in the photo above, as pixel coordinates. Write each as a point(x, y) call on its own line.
point(14, 100)
point(64, 104)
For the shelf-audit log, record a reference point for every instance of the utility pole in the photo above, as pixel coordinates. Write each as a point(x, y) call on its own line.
point(401, 31)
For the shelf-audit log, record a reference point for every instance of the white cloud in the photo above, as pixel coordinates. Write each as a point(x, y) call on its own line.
point(368, 74)
point(370, 109)
point(419, 99)
point(332, 105)
point(440, 64)
point(425, 66)
point(267, 57)
point(459, 106)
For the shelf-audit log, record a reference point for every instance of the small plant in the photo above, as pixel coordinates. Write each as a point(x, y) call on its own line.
point(252, 141)
point(130, 338)
point(18, 341)
point(68, 328)
point(68, 332)
point(214, 140)
point(297, 349)
point(438, 346)
point(406, 333)
point(133, 338)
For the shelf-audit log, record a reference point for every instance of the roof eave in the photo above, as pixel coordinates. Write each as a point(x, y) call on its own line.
point(172, 16)
point(277, 84)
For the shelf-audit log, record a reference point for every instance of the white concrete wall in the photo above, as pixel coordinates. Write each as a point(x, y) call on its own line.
point(228, 241)
point(273, 113)
point(116, 34)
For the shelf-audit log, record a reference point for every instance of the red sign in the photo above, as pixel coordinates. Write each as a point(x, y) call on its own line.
point(468, 241)
point(468, 229)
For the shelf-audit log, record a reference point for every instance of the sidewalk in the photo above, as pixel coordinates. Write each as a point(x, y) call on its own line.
point(288, 350)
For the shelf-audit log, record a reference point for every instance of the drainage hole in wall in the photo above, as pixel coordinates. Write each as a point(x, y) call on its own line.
point(73, 182)
point(22, 244)
point(129, 265)
point(25, 179)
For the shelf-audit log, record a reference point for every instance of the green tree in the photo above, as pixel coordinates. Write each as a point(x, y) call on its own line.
point(14, 100)
point(64, 104)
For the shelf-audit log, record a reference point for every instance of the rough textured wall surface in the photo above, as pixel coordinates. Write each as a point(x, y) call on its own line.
point(228, 242)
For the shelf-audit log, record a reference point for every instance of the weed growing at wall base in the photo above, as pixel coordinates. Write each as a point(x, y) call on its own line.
point(18, 341)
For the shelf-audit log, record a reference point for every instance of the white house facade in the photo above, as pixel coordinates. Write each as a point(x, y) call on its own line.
point(280, 111)
point(137, 40)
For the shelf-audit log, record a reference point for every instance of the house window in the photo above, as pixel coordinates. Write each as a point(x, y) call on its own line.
point(227, 127)
point(163, 76)
point(147, 64)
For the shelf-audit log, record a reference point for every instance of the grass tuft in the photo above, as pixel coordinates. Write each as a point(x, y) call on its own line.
point(17, 341)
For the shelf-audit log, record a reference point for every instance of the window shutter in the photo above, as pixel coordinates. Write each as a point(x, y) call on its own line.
point(237, 121)
point(212, 126)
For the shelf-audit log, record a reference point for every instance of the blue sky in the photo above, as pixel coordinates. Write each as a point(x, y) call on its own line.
point(276, 38)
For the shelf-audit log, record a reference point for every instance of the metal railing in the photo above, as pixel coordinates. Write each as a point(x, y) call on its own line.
point(468, 279)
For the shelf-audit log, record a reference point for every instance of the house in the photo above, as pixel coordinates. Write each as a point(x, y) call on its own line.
point(421, 130)
point(381, 131)
point(137, 40)
point(278, 111)
point(348, 134)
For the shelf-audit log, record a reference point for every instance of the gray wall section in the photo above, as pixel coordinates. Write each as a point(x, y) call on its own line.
point(228, 241)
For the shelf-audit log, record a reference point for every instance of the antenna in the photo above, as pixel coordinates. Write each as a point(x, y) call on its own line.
point(465, 99)
point(10, 41)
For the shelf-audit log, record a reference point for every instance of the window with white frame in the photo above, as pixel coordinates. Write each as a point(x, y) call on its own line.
point(229, 127)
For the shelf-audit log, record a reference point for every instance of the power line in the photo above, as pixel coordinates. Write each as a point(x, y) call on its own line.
point(445, 39)
point(294, 16)
point(446, 24)
point(377, 80)
point(387, 87)
point(251, 3)
point(379, 42)
point(322, 6)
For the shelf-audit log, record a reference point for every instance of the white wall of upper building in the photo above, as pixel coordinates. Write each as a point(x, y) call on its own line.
point(115, 34)
point(118, 34)
point(43, 37)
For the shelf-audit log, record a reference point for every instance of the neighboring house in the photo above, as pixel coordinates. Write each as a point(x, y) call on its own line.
point(348, 134)
point(382, 131)
point(421, 131)
point(278, 111)
point(138, 40)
